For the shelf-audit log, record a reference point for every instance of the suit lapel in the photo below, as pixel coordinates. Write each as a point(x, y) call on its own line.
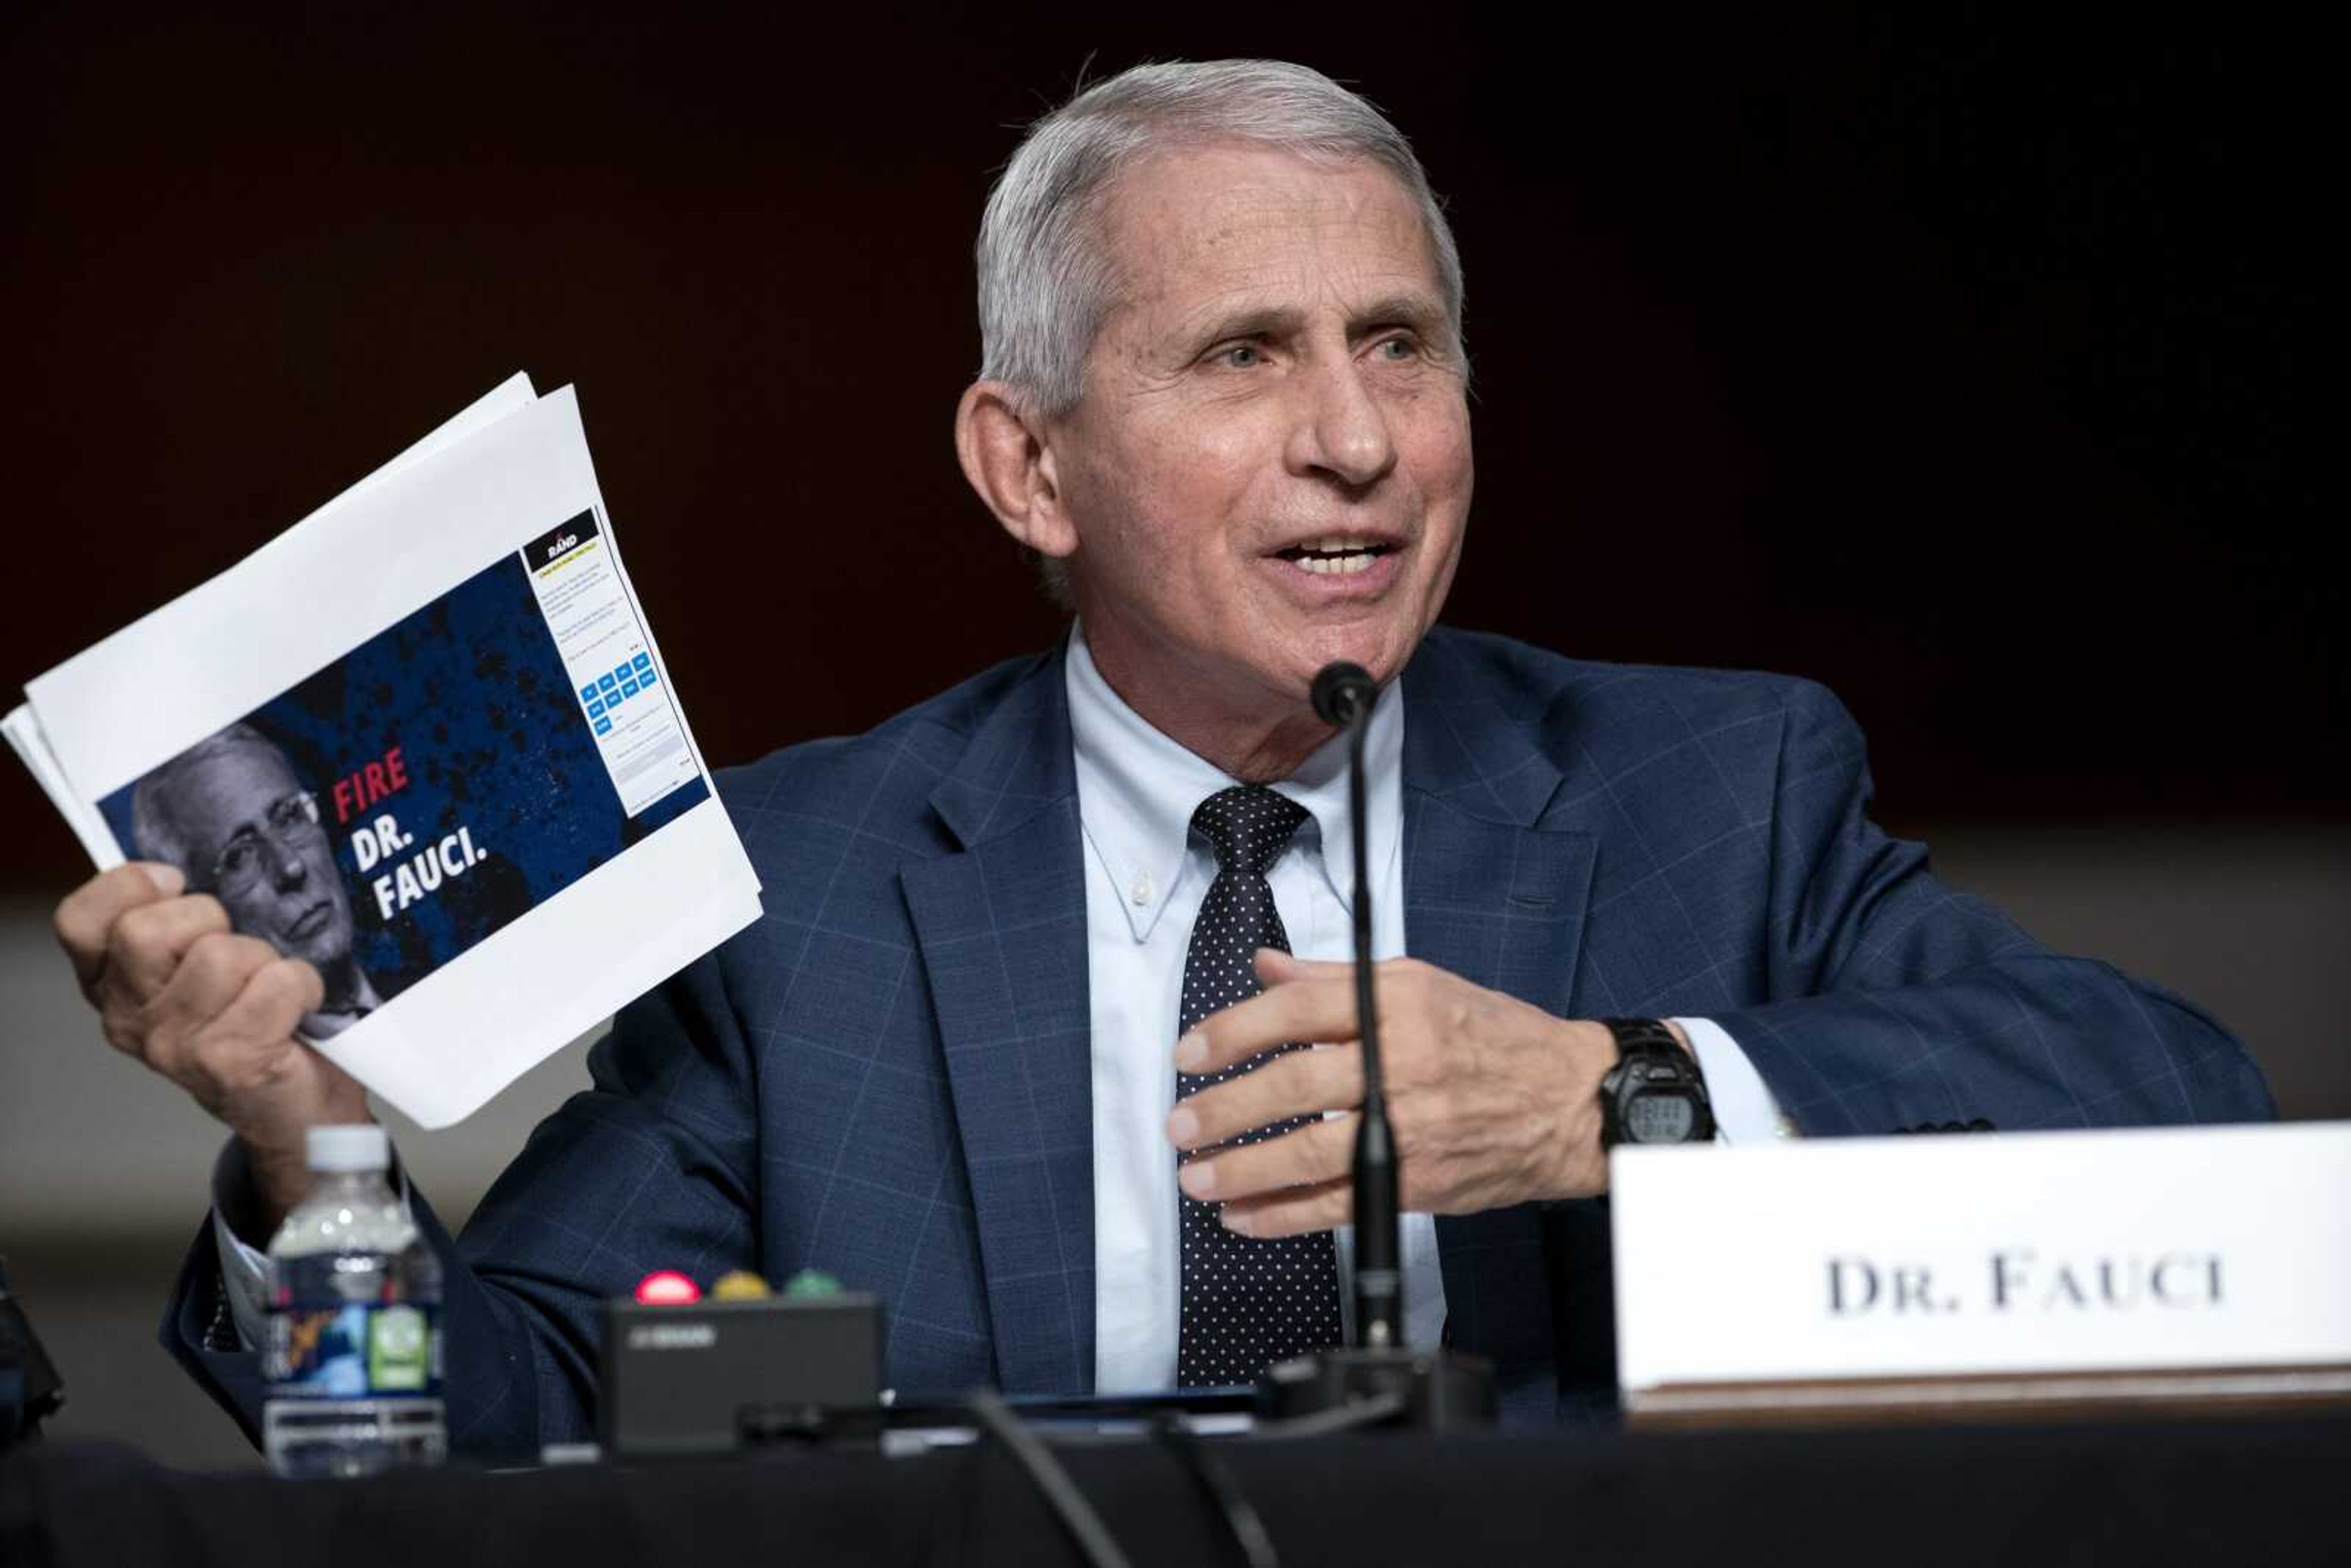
point(1002, 927)
point(1496, 897)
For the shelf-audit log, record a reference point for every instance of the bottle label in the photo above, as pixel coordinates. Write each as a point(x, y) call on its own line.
point(352, 1349)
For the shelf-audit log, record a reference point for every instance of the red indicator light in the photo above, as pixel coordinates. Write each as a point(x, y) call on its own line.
point(667, 1288)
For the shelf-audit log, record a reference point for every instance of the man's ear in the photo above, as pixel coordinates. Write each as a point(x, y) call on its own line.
point(1007, 458)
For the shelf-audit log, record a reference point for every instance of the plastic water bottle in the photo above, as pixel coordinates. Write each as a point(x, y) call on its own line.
point(352, 1364)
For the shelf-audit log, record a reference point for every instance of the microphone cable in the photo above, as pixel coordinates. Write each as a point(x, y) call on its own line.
point(1222, 1488)
point(1062, 1498)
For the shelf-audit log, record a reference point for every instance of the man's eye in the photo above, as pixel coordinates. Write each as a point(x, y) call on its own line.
point(1240, 356)
point(1398, 350)
point(236, 859)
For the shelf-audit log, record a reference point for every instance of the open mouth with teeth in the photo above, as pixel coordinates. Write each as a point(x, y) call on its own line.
point(1335, 557)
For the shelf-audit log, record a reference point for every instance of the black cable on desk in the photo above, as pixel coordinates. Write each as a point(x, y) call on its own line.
point(1069, 1505)
point(1224, 1490)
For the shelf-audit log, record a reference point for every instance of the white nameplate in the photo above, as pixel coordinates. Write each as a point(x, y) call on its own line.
point(1992, 1268)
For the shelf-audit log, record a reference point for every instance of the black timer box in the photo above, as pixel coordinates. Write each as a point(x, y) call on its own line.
point(684, 1379)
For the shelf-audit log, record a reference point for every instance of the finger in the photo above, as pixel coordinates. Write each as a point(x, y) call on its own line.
point(1276, 968)
point(149, 943)
point(88, 913)
point(1300, 1011)
point(208, 979)
point(1293, 1213)
point(272, 1001)
point(1314, 1153)
point(1295, 1084)
point(247, 1046)
point(174, 1033)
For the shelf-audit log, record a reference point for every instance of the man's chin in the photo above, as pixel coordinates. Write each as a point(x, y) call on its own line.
point(326, 952)
point(1378, 644)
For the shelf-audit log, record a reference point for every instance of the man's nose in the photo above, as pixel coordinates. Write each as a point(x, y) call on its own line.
point(289, 868)
point(1341, 430)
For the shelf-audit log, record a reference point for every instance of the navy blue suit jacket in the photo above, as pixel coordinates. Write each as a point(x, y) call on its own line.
point(887, 1077)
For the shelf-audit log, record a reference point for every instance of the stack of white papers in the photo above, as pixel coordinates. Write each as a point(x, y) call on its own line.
point(423, 739)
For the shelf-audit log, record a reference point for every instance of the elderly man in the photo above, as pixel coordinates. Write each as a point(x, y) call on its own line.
point(229, 814)
point(987, 1055)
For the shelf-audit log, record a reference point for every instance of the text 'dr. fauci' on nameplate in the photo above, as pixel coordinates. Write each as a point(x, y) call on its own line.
point(2006, 1274)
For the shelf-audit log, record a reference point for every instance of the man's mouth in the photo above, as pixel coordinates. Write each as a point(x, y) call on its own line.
point(1337, 554)
point(313, 921)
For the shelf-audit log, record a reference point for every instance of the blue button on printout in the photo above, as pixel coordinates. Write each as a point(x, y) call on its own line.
point(588, 693)
point(595, 709)
point(648, 679)
point(619, 672)
point(607, 682)
point(628, 688)
point(643, 661)
point(603, 725)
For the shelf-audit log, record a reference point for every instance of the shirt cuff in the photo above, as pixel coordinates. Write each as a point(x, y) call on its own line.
point(1744, 1110)
point(244, 1268)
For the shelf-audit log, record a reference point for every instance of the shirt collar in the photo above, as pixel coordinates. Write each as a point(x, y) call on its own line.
point(1137, 789)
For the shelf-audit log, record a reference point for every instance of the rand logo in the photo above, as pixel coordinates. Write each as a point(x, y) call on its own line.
point(559, 542)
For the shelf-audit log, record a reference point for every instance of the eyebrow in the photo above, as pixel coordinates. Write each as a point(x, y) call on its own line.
point(254, 826)
point(1417, 311)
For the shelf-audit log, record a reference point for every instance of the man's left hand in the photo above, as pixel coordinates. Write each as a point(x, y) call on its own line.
point(1493, 1101)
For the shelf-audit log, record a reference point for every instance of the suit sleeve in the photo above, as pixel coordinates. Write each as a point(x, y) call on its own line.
point(1895, 1002)
point(652, 1166)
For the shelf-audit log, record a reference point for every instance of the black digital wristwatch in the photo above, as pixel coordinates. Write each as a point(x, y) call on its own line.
point(1654, 1093)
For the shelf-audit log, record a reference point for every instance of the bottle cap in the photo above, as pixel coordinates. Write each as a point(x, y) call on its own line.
point(361, 1147)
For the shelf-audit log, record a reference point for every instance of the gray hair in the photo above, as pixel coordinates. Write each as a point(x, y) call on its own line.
point(152, 826)
point(1046, 282)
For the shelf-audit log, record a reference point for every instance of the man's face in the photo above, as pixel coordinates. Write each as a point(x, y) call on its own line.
point(1270, 467)
point(270, 866)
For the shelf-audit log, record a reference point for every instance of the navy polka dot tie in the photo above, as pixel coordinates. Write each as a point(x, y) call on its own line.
point(1246, 1304)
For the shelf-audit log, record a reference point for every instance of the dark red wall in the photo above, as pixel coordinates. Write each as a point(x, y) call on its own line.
point(1958, 363)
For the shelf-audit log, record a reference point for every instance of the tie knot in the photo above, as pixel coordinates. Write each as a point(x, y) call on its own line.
point(1248, 825)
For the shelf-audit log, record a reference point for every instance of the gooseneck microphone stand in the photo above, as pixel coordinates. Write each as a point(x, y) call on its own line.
point(1431, 1390)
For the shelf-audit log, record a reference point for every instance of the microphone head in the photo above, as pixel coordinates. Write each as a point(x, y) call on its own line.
point(1343, 693)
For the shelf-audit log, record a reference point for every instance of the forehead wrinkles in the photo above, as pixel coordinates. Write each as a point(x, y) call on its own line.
point(1188, 234)
point(235, 786)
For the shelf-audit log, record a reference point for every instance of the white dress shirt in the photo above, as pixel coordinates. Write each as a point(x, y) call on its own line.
point(1146, 875)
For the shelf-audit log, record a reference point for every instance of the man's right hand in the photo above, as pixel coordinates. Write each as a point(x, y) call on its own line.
point(211, 1010)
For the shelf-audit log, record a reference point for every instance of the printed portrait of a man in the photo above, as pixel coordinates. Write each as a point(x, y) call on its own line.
point(232, 814)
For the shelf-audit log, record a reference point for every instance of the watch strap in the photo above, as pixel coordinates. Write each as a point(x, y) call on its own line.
point(1643, 1035)
point(1650, 1042)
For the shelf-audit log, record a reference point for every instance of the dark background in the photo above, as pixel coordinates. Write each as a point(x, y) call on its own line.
point(1957, 359)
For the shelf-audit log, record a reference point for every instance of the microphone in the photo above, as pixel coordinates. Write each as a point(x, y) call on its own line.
point(1344, 695)
point(1378, 1380)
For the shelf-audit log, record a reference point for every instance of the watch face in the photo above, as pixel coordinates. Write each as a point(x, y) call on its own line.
point(1660, 1118)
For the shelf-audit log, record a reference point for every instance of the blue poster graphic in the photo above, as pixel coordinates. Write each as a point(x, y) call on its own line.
point(407, 801)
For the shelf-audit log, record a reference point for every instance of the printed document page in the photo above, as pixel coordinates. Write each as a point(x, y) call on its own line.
point(424, 740)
